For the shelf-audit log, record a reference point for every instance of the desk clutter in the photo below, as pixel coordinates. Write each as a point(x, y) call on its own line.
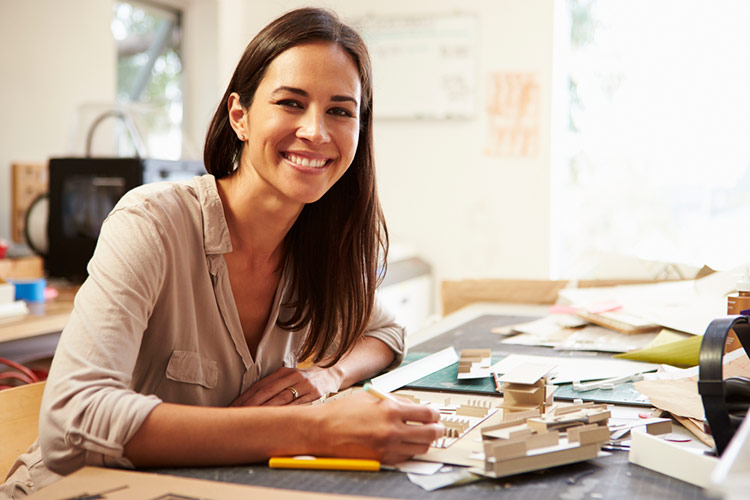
point(633, 345)
point(543, 394)
point(515, 423)
point(493, 436)
point(522, 431)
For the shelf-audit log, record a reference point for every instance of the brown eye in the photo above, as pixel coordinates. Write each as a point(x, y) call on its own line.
point(289, 103)
point(340, 112)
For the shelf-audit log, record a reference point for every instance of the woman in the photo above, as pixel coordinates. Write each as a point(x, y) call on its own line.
point(205, 294)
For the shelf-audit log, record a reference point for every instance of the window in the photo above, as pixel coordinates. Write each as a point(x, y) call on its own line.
point(149, 84)
point(658, 156)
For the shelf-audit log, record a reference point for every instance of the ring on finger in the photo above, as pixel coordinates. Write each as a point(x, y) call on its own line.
point(294, 392)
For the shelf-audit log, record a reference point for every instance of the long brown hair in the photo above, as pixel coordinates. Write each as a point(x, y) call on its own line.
point(337, 247)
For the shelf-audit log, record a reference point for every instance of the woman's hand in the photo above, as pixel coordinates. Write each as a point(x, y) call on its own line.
point(308, 384)
point(362, 426)
point(305, 385)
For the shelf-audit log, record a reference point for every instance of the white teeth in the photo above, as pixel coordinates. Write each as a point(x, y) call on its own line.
point(306, 162)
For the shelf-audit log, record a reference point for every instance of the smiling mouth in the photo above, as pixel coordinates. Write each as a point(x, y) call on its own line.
point(305, 162)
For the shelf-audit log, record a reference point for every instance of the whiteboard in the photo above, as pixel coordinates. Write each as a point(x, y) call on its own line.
point(423, 66)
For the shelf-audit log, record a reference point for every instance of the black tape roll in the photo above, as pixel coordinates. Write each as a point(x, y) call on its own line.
point(714, 390)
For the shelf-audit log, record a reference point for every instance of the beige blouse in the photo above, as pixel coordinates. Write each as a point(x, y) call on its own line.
point(155, 321)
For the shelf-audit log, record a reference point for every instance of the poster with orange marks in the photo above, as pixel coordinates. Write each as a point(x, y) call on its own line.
point(513, 115)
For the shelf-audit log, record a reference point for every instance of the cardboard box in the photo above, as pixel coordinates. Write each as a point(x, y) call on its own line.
point(22, 267)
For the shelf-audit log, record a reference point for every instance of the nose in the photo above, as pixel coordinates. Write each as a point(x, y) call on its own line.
point(313, 128)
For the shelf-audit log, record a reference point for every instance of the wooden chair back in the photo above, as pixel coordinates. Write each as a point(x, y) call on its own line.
point(19, 421)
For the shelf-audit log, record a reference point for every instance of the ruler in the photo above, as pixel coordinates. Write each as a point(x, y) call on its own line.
point(407, 374)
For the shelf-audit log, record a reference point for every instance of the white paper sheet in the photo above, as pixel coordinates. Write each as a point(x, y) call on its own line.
point(418, 467)
point(577, 369)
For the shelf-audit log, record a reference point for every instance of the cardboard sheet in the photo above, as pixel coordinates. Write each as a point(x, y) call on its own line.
point(679, 397)
point(131, 485)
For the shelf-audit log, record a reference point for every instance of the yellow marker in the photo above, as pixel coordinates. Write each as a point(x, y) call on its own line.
point(310, 462)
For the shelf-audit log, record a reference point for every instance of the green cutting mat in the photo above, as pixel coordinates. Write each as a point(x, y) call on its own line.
point(624, 394)
point(447, 380)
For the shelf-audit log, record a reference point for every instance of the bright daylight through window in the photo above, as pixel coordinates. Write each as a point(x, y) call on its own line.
point(657, 152)
point(149, 69)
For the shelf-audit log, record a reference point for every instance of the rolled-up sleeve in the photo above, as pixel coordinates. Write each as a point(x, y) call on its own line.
point(383, 326)
point(89, 409)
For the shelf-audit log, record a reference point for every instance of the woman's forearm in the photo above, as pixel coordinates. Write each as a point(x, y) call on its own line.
point(358, 426)
point(368, 357)
point(178, 435)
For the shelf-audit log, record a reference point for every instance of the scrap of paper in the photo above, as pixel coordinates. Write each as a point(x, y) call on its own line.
point(679, 397)
point(454, 477)
point(550, 325)
point(682, 352)
point(418, 467)
point(597, 338)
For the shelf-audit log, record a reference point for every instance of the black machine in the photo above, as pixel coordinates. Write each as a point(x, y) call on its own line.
point(725, 401)
point(82, 193)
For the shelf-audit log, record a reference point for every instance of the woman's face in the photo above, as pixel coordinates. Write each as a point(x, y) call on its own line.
point(303, 124)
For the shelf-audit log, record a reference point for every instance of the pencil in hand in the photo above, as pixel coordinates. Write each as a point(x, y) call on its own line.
point(378, 394)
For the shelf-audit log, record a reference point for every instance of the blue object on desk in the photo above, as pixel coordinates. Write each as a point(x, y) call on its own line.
point(31, 290)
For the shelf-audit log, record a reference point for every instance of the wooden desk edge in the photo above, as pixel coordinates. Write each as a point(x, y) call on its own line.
point(34, 326)
point(52, 319)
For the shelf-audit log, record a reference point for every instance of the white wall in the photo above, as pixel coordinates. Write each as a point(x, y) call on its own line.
point(202, 84)
point(58, 55)
point(467, 214)
point(52, 59)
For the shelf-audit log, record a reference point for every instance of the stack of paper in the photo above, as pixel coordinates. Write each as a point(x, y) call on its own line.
point(687, 306)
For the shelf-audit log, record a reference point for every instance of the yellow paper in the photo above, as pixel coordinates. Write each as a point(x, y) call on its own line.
point(682, 353)
point(667, 336)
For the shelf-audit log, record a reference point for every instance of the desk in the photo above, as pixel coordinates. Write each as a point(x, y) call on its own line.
point(612, 477)
point(38, 332)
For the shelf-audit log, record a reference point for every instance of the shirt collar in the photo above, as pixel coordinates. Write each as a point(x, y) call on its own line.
point(215, 230)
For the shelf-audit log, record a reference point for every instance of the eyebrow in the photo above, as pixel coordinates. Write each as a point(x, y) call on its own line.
point(303, 93)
